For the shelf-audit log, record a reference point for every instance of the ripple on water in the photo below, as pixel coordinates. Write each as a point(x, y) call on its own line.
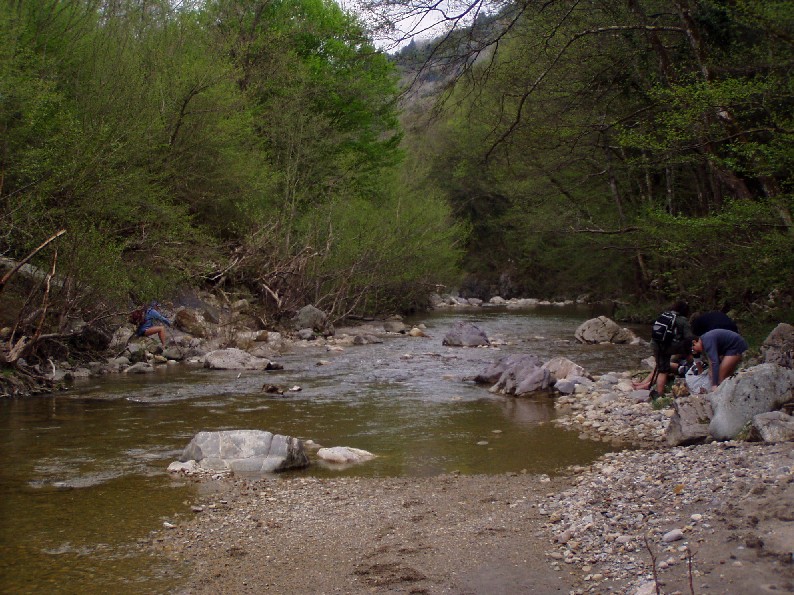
point(69, 548)
point(79, 482)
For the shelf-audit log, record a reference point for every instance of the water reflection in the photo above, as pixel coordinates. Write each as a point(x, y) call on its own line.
point(84, 471)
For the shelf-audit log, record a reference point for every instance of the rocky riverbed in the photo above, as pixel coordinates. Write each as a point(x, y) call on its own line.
point(713, 518)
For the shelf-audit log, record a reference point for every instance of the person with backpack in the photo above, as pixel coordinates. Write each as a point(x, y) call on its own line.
point(147, 319)
point(724, 350)
point(671, 338)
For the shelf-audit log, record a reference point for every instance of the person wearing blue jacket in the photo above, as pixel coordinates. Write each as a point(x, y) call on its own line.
point(724, 350)
point(150, 325)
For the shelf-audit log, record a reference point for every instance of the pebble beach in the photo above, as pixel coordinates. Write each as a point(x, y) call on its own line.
point(710, 518)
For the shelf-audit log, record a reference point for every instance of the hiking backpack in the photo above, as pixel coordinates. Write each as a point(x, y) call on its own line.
point(663, 328)
point(137, 317)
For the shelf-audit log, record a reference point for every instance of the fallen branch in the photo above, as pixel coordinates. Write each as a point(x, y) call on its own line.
point(25, 260)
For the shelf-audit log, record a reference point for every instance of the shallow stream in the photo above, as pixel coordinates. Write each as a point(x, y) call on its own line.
point(83, 480)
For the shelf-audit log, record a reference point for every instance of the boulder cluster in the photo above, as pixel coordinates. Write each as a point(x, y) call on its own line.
point(220, 337)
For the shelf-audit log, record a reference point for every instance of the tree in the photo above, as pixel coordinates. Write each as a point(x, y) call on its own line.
point(603, 114)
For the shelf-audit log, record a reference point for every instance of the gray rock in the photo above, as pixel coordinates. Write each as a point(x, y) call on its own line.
point(562, 368)
point(312, 318)
point(245, 451)
point(122, 335)
point(366, 340)
point(690, 421)
point(394, 326)
point(188, 467)
point(233, 359)
point(774, 426)
point(275, 340)
point(759, 389)
point(241, 305)
point(493, 372)
point(436, 300)
point(135, 348)
point(525, 375)
point(640, 396)
point(674, 535)
point(140, 368)
point(609, 379)
point(261, 350)
point(192, 322)
point(608, 398)
point(59, 375)
point(344, 455)
point(565, 387)
point(602, 330)
point(173, 352)
point(465, 334)
point(306, 334)
point(211, 315)
point(778, 347)
point(583, 380)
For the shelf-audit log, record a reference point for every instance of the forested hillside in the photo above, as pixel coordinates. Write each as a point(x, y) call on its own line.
point(640, 148)
point(230, 143)
point(636, 150)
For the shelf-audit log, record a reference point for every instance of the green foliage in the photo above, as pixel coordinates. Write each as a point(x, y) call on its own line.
point(625, 150)
point(739, 255)
point(387, 256)
point(662, 403)
point(163, 136)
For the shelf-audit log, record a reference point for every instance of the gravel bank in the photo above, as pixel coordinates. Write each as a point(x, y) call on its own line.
point(715, 518)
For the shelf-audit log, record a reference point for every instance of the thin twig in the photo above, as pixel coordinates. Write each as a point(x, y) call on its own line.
point(25, 260)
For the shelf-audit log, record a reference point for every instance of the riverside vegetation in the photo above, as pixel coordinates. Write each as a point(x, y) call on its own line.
point(636, 152)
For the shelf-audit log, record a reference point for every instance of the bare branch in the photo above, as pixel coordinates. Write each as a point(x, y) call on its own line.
point(25, 260)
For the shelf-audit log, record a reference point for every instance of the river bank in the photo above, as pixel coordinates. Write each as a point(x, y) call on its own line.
point(725, 508)
point(713, 518)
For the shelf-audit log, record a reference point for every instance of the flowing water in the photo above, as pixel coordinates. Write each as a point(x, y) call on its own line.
point(83, 480)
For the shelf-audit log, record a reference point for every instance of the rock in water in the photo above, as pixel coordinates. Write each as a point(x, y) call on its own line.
point(246, 451)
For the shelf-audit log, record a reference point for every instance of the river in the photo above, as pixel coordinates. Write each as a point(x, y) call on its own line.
point(83, 484)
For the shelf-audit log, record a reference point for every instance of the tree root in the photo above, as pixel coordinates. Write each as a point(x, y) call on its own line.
point(16, 383)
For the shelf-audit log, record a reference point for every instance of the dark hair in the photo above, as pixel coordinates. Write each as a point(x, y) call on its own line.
point(681, 307)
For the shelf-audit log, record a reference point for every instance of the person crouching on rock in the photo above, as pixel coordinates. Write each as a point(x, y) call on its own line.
point(724, 350)
point(150, 325)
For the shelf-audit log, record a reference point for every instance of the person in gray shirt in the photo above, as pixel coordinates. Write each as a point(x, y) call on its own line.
point(724, 350)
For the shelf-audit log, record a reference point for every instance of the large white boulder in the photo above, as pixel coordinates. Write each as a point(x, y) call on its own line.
point(602, 330)
point(245, 451)
point(562, 368)
point(759, 389)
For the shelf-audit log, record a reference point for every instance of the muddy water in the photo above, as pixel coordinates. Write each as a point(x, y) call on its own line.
point(83, 480)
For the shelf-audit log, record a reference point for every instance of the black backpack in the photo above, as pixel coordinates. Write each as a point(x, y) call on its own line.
point(663, 329)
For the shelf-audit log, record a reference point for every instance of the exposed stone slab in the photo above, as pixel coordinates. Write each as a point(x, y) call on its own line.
point(245, 451)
